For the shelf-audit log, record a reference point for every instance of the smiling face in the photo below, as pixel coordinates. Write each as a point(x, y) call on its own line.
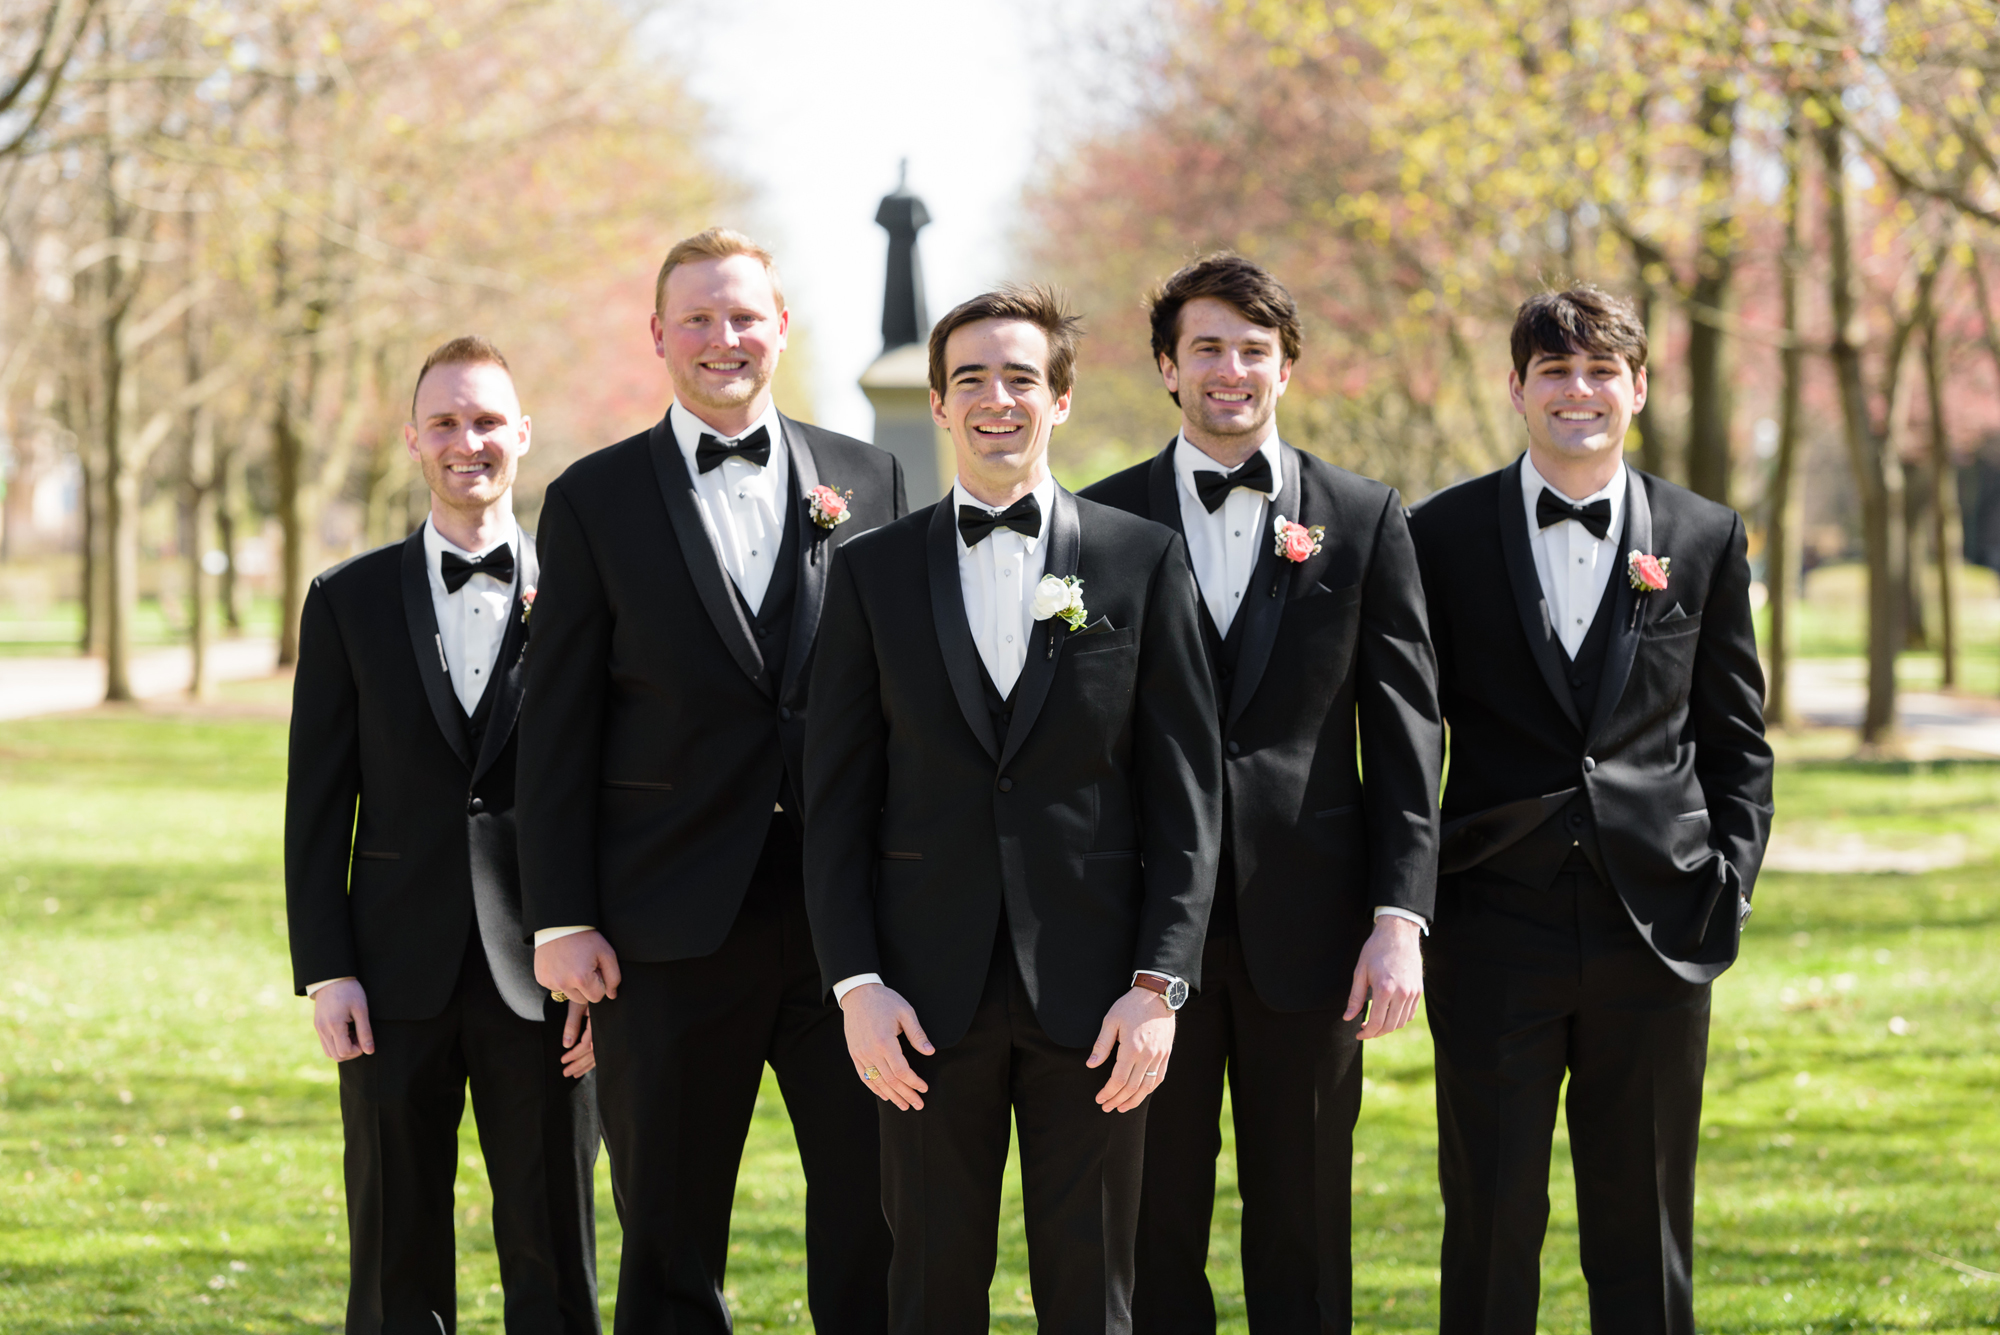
point(999, 407)
point(720, 329)
point(1577, 406)
point(1229, 374)
point(468, 436)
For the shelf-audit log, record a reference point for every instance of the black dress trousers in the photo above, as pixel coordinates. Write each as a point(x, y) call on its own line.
point(1522, 985)
point(401, 1107)
point(1295, 1088)
point(682, 1051)
point(943, 1167)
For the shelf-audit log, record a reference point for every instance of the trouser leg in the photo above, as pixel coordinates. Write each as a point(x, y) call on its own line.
point(1295, 1089)
point(1171, 1295)
point(839, 1137)
point(400, 1108)
point(1501, 982)
point(680, 1055)
point(942, 1167)
point(535, 1152)
point(1636, 1065)
point(1081, 1173)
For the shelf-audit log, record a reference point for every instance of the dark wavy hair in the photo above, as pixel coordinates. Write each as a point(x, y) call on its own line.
point(1579, 318)
point(1042, 307)
point(1226, 276)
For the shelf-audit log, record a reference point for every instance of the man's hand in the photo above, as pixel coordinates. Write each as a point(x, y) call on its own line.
point(579, 1052)
point(340, 1017)
point(1142, 1025)
point(873, 1015)
point(581, 965)
point(1388, 978)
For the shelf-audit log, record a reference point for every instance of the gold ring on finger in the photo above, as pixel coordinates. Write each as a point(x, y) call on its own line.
point(871, 1074)
point(558, 996)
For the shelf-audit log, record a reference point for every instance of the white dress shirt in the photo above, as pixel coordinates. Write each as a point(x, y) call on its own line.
point(997, 579)
point(471, 623)
point(1223, 547)
point(742, 504)
point(1572, 564)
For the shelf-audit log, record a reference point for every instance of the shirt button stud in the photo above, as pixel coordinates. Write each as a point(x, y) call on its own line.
point(1010, 639)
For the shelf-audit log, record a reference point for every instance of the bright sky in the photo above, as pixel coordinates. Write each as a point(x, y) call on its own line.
point(814, 102)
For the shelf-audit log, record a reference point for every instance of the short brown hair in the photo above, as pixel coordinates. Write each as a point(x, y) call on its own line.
point(717, 243)
point(1226, 276)
point(1042, 307)
point(465, 350)
point(1579, 318)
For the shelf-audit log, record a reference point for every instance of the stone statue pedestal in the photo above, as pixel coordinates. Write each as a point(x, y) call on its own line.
point(898, 384)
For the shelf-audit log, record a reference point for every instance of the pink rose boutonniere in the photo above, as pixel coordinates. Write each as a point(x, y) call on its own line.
point(527, 603)
point(1296, 542)
point(830, 508)
point(1648, 573)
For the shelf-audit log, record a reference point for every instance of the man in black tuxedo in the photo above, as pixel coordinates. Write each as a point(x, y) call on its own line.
point(1609, 800)
point(1325, 881)
point(1012, 806)
point(682, 576)
point(406, 922)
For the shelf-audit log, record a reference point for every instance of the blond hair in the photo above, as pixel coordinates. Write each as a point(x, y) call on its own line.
point(717, 243)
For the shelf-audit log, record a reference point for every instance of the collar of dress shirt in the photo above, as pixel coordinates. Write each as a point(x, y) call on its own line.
point(1189, 460)
point(1532, 483)
point(689, 429)
point(1044, 494)
point(436, 544)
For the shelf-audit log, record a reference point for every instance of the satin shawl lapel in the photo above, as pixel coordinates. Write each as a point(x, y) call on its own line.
point(428, 646)
point(813, 558)
point(1275, 578)
point(1627, 608)
point(1065, 538)
point(1163, 491)
point(954, 632)
point(704, 563)
point(511, 666)
point(1533, 607)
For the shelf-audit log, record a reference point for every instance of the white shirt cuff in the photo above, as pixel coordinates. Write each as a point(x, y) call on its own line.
point(326, 982)
point(1384, 911)
point(1155, 973)
point(846, 985)
point(548, 934)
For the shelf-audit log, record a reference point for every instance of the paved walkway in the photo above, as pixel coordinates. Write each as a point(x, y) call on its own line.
point(30, 686)
point(1831, 692)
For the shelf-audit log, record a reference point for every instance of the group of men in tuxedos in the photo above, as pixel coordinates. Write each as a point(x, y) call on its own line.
point(1025, 812)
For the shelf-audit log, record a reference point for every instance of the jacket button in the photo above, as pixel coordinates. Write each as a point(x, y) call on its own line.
point(476, 805)
point(785, 714)
point(1235, 748)
point(1006, 785)
point(1588, 764)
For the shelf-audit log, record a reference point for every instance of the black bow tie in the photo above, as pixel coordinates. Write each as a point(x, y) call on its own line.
point(1214, 488)
point(755, 448)
point(1553, 509)
point(1023, 516)
point(498, 563)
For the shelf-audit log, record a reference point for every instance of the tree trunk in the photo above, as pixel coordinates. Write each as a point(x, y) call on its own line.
point(1916, 531)
point(1782, 534)
point(1708, 452)
point(1878, 474)
point(1945, 535)
point(228, 486)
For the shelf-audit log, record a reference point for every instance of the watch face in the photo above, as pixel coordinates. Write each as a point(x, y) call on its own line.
point(1177, 994)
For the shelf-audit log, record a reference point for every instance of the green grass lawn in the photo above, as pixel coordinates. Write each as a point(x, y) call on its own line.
point(170, 1143)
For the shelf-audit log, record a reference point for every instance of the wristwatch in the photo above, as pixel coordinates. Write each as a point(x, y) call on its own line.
point(1172, 990)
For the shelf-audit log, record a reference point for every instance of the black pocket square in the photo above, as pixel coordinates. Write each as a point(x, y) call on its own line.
point(1674, 614)
point(1098, 627)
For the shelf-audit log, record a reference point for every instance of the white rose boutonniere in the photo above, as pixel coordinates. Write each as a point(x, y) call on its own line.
point(1057, 596)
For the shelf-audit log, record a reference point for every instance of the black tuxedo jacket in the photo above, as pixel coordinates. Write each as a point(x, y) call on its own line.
point(654, 744)
point(387, 896)
point(1092, 823)
point(1672, 760)
point(1334, 650)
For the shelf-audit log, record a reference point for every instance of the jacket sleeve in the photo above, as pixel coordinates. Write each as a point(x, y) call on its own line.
point(322, 788)
point(847, 778)
point(1177, 763)
point(562, 726)
point(1402, 733)
point(1726, 708)
point(901, 504)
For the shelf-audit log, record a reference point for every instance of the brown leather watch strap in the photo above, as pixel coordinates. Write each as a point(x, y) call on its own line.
point(1152, 982)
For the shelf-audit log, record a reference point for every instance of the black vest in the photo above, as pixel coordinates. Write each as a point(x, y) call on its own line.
point(1224, 651)
point(778, 879)
point(1536, 859)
